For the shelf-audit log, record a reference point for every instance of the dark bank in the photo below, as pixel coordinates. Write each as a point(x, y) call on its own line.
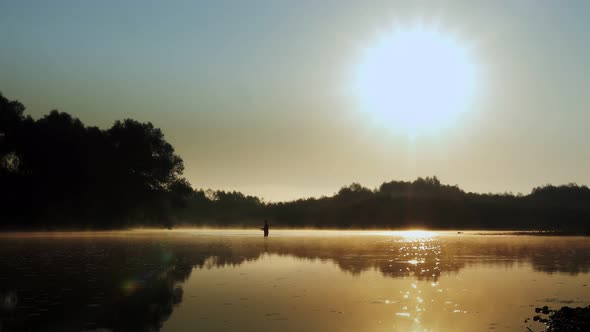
point(58, 173)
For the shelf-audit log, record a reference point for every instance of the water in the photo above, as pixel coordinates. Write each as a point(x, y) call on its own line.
point(291, 281)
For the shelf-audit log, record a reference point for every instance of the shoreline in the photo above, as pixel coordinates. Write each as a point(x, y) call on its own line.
point(286, 231)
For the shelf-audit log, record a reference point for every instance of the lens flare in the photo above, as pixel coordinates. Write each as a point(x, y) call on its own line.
point(130, 286)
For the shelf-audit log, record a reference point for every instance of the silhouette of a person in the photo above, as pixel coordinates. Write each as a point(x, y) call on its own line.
point(265, 228)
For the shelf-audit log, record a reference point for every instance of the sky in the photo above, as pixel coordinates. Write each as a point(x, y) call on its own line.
point(258, 96)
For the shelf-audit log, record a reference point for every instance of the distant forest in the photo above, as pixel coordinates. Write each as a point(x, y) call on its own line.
point(57, 173)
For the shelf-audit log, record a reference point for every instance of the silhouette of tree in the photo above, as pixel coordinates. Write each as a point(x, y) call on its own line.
point(56, 172)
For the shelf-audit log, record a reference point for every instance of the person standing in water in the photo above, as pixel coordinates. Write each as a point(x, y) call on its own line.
point(265, 228)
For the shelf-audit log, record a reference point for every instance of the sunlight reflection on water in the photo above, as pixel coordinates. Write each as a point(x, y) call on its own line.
point(412, 235)
point(291, 281)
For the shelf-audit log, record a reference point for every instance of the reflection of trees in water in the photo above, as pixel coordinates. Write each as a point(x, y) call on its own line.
point(545, 254)
point(73, 285)
point(420, 258)
point(392, 257)
point(133, 284)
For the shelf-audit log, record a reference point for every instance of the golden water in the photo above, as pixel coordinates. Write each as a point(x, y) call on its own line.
point(206, 280)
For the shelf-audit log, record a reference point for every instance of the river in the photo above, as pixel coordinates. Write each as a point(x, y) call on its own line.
point(236, 280)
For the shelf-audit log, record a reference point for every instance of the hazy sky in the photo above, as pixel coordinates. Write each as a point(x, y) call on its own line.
point(255, 95)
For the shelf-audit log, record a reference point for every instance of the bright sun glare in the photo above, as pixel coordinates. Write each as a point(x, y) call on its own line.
point(416, 80)
point(414, 234)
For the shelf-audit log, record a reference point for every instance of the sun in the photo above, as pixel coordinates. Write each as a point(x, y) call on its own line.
point(416, 80)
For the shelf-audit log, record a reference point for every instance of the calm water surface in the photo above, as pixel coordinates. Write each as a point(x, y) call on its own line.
point(292, 281)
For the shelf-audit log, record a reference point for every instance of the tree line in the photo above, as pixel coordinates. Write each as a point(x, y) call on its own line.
point(56, 172)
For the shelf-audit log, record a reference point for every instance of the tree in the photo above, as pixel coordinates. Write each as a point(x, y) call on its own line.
point(55, 171)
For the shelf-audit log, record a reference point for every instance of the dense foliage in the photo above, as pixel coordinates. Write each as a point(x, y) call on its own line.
point(56, 172)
